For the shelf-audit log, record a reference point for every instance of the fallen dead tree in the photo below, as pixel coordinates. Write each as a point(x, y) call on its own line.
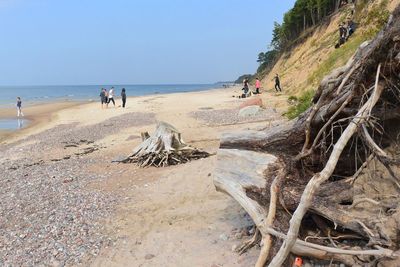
point(326, 186)
point(165, 147)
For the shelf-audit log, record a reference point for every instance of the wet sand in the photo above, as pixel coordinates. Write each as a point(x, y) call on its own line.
point(38, 115)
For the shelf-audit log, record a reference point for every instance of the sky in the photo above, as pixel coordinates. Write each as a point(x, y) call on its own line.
point(79, 42)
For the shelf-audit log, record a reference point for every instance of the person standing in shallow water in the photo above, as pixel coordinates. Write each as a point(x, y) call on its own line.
point(123, 97)
point(277, 83)
point(19, 107)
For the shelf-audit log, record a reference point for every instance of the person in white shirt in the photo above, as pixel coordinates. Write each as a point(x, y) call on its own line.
point(111, 96)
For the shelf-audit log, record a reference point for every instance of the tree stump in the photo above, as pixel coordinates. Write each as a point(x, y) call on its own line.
point(165, 147)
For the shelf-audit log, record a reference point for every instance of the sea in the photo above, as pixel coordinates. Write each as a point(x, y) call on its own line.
point(39, 94)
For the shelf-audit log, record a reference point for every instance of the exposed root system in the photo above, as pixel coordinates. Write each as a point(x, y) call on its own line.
point(165, 147)
point(334, 172)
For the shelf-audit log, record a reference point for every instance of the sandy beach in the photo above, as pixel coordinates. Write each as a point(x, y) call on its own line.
point(65, 203)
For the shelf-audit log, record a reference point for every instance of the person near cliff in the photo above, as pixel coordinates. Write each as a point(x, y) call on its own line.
point(258, 85)
point(277, 83)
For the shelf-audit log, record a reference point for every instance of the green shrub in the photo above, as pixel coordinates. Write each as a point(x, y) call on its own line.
point(304, 101)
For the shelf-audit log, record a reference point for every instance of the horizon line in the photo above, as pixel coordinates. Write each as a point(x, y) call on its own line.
point(113, 84)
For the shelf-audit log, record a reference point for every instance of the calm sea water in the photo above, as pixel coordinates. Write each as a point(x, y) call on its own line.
point(13, 124)
point(34, 94)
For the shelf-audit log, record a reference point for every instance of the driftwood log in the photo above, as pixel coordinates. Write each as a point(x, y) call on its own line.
point(326, 186)
point(165, 147)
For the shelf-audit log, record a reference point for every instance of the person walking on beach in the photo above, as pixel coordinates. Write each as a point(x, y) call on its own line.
point(103, 97)
point(123, 97)
point(19, 106)
point(258, 85)
point(277, 83)
point(111, 96)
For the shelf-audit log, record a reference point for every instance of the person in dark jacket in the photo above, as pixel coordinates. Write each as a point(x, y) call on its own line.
point(123, 97)
point(343, 33)
point(103, 97)
point(351, 26)
point(277, 83)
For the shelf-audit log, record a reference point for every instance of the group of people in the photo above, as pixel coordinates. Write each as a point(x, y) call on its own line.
point(108, 96)
point(345, 31)
point(246, 90)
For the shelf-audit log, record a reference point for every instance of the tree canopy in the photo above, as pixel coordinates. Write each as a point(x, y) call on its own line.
point(304, 14)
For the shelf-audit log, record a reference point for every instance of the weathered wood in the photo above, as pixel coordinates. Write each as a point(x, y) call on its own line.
point(238, 170)
point(241, 169)
point(165, 147)
point(279, 138)
point(145, 135)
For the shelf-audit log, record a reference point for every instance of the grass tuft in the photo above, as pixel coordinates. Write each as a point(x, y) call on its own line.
point(302, 103)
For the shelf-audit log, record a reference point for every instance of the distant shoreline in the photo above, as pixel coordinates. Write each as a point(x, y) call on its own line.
point(33, 95)
point(41, 113)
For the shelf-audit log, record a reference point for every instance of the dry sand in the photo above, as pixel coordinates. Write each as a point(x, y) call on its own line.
point(160, 217)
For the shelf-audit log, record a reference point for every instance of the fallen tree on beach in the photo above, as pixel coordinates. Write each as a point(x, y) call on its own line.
point(165, 147)
point(326, 186)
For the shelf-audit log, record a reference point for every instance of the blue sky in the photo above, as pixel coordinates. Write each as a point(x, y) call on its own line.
point(57, 42)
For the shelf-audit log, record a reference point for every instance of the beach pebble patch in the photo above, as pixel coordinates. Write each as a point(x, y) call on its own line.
point(249, 111)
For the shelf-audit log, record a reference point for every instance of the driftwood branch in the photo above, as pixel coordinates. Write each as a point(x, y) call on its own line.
point(319, 178)
point(372, 252)
point(267, 239)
